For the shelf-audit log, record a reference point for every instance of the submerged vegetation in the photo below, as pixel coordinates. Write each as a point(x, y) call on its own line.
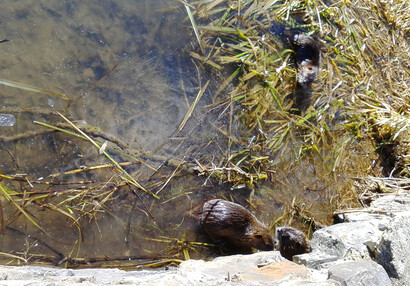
point(349, 130)
point(360, 100)
point(362, 89)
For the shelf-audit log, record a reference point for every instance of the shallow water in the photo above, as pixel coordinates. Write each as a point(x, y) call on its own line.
point(126, 67)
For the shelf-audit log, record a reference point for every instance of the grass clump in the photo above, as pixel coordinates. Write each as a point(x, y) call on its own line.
point(347, 123)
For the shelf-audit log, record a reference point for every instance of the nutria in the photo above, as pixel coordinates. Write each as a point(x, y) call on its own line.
point(307, 52)
point(235, 225)
point(291, 241)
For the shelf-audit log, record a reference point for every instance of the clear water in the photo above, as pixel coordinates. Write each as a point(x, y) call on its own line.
point(126, 67)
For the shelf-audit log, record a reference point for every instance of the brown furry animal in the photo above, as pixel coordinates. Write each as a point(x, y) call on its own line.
point(291, 241)
point(232, 223)
point(307, 51)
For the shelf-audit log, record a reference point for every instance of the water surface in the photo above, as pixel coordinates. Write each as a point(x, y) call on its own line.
point(126, 67)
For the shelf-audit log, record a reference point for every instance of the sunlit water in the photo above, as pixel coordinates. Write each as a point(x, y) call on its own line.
point(126, 67)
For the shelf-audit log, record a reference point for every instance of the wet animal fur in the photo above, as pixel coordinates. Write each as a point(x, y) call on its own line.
point(307, 51)
point(235, 225)
point(291, 241)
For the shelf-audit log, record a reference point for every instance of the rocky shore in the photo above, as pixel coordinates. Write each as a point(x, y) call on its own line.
point(369, 247)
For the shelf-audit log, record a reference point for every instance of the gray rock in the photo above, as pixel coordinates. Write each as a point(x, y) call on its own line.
point(231, 265)
point(7, 120)
point(238, 269)
point(367, 215)
point(381, 209)
point(315, 259)
point(311, 283)
point(30, 272)
point(346, 240)
point(393, 250)
point(366, 273)
point(35, 275)
point(382, 232)
point(392, 204)
point(263, 268)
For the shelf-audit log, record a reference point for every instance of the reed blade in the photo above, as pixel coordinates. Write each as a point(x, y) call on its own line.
point(27, 87)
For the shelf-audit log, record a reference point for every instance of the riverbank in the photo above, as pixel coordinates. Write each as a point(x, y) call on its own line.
point(370, 247)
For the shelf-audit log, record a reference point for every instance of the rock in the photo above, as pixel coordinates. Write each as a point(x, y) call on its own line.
point(263, 268)
point(392, 204)
point(380, 232)
point(310, 283)
point(392, 215)
point(35, 275)
point(232, 266)
point(286, 273)
point(381, 209)
point(28, 272)
point(371, 215)
point(366, 273)
point(7, 120)
point(315, 260)
point(346, 240)
point(393, 249)
point(276, 271)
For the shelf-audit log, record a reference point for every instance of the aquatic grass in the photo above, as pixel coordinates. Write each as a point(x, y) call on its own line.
point(179, 247)
point(194, 27)
point(117, 145)
point(8, 255)
point(360, 98)
point(128, 177)
point(75, 221)
point(84, 202)
point(87, 169)
point(192, 107)
point(74, 204)
point(6, 193)
point(27, 87)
